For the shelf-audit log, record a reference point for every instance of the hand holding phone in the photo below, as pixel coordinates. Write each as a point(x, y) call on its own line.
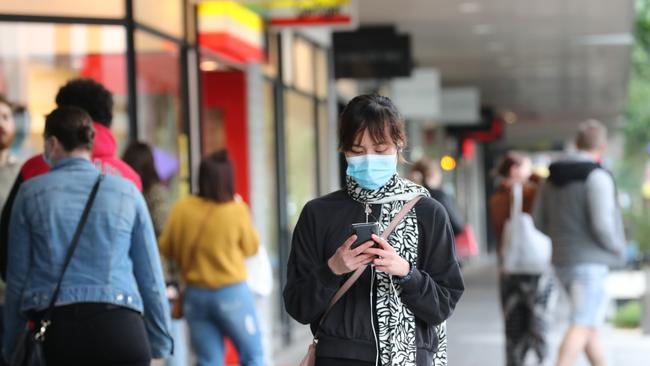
point(346, 259)
point(364, 232)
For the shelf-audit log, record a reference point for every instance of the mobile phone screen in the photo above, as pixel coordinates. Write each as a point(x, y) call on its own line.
point(364, 232)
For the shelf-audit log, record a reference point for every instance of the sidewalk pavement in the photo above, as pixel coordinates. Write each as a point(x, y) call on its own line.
point(476, 330)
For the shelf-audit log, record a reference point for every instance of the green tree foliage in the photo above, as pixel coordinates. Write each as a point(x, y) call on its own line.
point(637, 128)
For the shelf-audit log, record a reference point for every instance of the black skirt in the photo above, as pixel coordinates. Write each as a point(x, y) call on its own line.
point(96, 334)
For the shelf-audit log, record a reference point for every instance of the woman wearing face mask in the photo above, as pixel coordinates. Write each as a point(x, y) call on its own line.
point(411, 281)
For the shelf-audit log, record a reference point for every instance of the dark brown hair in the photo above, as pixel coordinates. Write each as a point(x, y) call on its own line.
point(72, 126)
point(373, 113)
point(511, 159)
point(140, 157)
point(592, 135)
point(216, 177)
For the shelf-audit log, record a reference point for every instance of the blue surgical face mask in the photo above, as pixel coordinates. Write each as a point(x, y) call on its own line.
point(371, 171)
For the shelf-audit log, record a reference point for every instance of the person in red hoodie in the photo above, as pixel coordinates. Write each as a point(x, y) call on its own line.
point(95, 99)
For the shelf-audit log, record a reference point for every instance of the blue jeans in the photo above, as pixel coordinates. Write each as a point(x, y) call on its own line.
point(180, 356)
point(213, 314)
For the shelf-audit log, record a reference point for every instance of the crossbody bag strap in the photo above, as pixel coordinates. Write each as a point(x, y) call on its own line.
point(75, 239)
point(359, 271)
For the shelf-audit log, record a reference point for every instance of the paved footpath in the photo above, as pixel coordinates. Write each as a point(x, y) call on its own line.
point(476, 330)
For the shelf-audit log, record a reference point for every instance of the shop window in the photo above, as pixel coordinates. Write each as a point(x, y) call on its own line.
point(303, 61)
point(159, 105)
point(37, 59)
point(300, 142)
point(322, 75)
point(163, 15)
point(70, 8)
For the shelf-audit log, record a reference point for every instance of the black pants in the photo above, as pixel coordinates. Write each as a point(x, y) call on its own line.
point(96, 334)
point(326, 361)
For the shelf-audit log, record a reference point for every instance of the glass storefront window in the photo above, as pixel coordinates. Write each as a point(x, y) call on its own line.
point(303, 53)
point(323, 146)
point(36, 59)
point(322, 77)
point(300, 142)
point(163, 15)
point(159, 104)
point(70, 8)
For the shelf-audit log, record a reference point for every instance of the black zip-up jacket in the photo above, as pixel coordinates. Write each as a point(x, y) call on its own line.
point(431, 294)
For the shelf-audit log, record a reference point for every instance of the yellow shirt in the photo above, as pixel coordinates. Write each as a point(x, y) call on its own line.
point(209, 241)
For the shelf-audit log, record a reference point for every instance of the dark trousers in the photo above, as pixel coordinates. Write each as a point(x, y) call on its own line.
point(324, 361)
point(96, 334)
point(525, 305)
point(2, 329)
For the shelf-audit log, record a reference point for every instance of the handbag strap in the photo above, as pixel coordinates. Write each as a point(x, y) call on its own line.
point(359, 271)
point(75, 239)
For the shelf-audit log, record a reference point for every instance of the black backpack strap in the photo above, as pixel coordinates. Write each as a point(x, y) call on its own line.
point(75, 239)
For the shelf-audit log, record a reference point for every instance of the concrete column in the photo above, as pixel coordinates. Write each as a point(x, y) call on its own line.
point(259, 201)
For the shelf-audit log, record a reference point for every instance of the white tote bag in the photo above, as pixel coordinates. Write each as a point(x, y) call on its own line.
point(260, 274)
point(526, 249)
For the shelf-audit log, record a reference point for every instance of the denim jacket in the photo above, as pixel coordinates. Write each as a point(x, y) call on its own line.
point(116, 261)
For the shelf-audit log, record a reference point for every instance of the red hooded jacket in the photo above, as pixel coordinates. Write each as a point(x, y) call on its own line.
point(104, 155)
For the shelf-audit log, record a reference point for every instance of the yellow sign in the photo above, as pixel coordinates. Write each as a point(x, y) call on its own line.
point(305, 4)
point(212, 10)
point(290, 13)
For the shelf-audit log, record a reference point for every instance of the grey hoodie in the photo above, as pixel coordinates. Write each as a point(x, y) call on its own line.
point(578, 209)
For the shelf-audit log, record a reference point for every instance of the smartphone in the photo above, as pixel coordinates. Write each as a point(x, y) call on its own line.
point(364, 232)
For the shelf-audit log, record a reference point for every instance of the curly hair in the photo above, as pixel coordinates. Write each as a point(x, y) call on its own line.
point(90, 96)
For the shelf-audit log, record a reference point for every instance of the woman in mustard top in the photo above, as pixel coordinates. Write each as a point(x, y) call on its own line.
point(208, 236)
